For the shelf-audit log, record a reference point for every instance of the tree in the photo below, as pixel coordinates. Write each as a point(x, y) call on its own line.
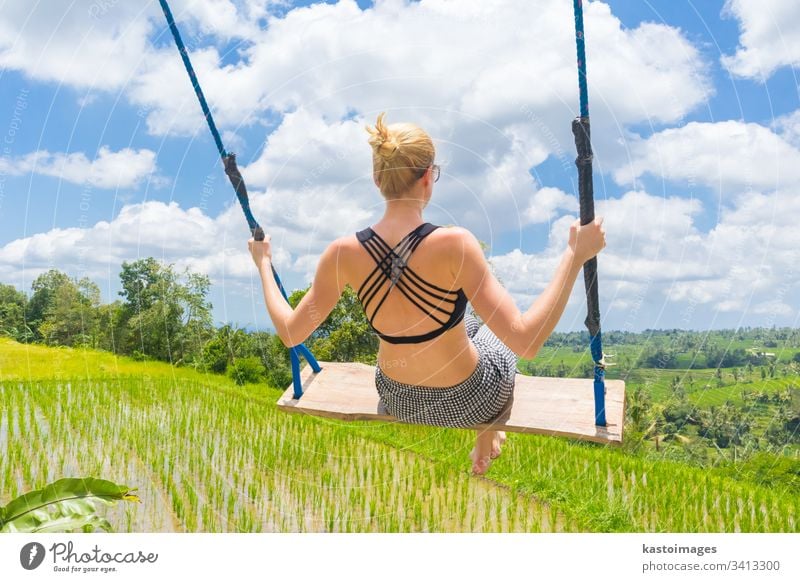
point(345, 335)
point(275, 358)
point(12, 312)
point(718, 357)
point(226, 344)
point(71, 317)
point(638, 407)
point(62, 311)
point(198, 325)
point(725, 425)
point(139, 283)
point(659, 357)
point(679, 412)
point(111, 331)
point(168, 320)
point(44, 289)
point(655, 430)
point(248, 370)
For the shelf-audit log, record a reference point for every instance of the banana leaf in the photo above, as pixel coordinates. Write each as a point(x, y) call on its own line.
point(65, 505)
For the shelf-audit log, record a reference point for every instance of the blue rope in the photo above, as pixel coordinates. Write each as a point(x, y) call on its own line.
point(229, 161)
point(581, 129)
point(579, 41)
point(189, 69)
point(595, 344)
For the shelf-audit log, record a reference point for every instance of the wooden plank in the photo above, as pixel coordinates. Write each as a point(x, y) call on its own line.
point(549, 406)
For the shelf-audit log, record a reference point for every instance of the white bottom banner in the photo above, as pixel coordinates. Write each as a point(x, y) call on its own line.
point(390, 557)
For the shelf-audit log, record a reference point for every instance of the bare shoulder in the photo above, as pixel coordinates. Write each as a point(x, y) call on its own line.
point(457, 239)
point(457, 247)
point(343, 251)
point(345, 244)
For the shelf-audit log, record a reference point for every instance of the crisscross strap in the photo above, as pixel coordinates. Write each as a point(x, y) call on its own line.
point(392, 266)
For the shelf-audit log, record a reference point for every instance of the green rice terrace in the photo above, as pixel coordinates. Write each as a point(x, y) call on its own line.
point(209, 452)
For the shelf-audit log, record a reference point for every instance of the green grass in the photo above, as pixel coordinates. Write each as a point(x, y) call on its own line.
point(209, 456)
point(34, 362)
point(216, 458)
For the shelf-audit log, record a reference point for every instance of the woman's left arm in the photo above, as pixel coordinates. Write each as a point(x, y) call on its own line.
point(293, 326)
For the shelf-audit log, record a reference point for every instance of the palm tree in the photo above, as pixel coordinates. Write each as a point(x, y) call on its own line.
point(660, 431)
point(638, 407)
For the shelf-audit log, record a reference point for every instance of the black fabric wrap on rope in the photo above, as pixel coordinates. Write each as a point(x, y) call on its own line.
point(582, 131)
point(235, 176)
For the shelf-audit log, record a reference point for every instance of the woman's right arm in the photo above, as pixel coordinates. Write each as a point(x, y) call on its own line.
point(525, 333)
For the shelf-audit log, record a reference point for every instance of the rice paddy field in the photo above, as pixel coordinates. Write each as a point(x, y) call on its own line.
point(209, 456)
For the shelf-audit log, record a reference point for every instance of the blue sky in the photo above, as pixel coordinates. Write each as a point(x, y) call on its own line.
point(104, 155)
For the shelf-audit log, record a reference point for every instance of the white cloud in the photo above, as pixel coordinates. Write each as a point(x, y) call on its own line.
point(165, 231)
point(163, 93)
point(772, 209)
point(186, 237)
point(311, 168)
point(488, 107)
point(788, 126)
point(774, 307)
point(105, 45)
point(642, 232)
point(546, 202)
point(305, 60)
point(221, 18)
point(83, 43)
point(139, 228)
point(305, 151)
point(493, 111)
point(655, 257)
point(727, 155)
point(752, 250)
point(122, 169)
point(768, 40)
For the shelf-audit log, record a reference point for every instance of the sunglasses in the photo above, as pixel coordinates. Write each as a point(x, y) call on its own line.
point(436, 171)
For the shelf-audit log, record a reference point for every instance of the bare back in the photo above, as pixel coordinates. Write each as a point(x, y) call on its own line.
point(446, 360)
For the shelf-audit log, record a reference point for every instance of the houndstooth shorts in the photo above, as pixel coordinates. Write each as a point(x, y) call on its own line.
point(479, 398)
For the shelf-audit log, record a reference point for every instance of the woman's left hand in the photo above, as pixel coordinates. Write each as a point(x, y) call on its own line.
point(261, 251)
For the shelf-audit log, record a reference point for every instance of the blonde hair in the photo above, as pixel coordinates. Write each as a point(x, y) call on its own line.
point(399, 152)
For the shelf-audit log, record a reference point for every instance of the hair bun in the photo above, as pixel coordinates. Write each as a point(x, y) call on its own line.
point(384, 145)
point(387, 148)
point(394, 169)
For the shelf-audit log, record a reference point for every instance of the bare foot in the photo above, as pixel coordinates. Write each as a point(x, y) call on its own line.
point(481, 454)
point(479, 465)
point(497, 443)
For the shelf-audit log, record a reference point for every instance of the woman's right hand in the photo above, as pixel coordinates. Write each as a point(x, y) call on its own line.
point(587, 240)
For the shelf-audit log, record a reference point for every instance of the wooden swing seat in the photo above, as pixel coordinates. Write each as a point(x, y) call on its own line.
point(548, 406)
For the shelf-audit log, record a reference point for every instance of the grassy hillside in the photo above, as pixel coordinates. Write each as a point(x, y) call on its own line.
point(34, 362)
point(210, 456)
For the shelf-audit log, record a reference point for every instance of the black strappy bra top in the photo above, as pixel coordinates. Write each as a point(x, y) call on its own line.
point(391, 265)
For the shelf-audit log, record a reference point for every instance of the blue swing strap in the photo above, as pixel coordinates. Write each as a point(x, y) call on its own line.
point(582, 132)
point(235, 177)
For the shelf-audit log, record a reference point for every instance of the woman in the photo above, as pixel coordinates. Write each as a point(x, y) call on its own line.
point(436, 364)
